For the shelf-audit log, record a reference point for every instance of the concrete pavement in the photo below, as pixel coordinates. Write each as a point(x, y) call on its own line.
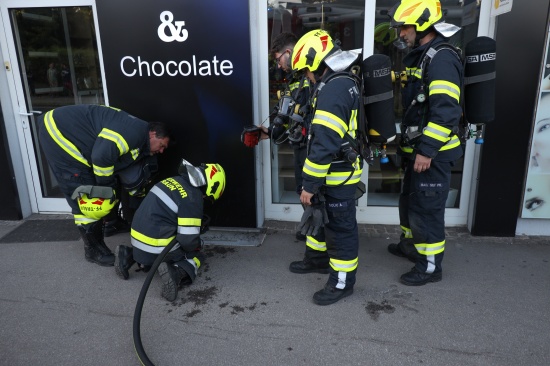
point(246, 308)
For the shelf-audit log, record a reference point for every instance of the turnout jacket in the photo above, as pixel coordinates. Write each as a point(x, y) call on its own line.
point(335, 106)
point(439, 116)
point(173, 208)
point(102, 139)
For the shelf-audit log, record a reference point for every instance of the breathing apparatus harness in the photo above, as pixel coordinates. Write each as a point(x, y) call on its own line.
point(352, 148)
point(412, 133)
point(289, 111)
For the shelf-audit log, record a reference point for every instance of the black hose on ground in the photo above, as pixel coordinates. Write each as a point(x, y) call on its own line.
point(142, 356)
point(139, 306)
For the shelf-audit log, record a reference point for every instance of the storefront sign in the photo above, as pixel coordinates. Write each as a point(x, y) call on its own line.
point(187, 63)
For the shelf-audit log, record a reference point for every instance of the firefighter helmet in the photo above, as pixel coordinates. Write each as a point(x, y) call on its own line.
point(311, 50)
point(94, 207)
point(384, 34)
point(422, 14)
point(215, 180)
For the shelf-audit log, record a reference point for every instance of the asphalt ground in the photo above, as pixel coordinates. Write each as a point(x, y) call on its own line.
point(246, 308)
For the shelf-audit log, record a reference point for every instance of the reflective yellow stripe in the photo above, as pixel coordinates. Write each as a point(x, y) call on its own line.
point(315, 170)
point(60, 140)
point(197, 262)
point(116, 138)
point(331, 121)
point(430, 249)
point(104, 171)
point(135, 153)
point(437, 132)
point(344, 266)
point(189, 221)
point(116, 109)
point(319, 246)
point(453, 142)
point(406, 149)
point(407, 233)
point(336, 178)
point(414, 71)
point(151, 241)
point(353, 123)
point(83, 220)
point(444, 87)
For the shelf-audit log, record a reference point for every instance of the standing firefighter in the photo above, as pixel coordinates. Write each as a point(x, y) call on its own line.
point(331, 171)
point(172, 210)
point(430, 144)
point(88, 147)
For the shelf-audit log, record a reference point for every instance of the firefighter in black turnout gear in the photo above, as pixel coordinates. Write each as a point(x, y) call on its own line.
point(430, 143)
point(330, 173)
point(88, 148)
point(290, 119)
point(172, 210)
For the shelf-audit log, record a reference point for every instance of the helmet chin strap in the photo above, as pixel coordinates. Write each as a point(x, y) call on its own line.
point(421, 35)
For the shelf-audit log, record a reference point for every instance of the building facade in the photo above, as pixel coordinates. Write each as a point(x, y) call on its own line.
point(204, 68)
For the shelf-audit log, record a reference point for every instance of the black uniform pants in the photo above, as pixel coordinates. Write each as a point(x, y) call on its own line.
point(422, 210)
point(342, 240)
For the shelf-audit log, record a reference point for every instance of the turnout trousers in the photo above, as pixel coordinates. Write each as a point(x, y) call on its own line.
point(342, 240)
point(422, 213)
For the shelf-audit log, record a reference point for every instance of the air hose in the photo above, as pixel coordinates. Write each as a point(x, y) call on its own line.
point(139, 306)
point(142, 356)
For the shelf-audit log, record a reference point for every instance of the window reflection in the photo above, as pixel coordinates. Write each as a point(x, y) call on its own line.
point(344, 20)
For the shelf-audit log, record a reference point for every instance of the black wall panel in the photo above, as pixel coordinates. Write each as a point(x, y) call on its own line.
point(200, 84)
point(520, 53)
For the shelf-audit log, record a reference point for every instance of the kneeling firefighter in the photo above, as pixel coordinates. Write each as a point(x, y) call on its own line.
point(172, 210)
point(332, 170)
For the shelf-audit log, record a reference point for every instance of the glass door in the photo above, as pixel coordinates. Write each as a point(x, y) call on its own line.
point(55, 61)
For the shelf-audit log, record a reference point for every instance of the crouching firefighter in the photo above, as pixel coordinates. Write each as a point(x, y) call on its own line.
point(89, 146)
point(332, 170)
point(172, 210)
point(430, 142)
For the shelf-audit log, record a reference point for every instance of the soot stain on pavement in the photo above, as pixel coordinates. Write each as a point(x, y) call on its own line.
point(374, 309)
point(202, 296)
point(218, 250)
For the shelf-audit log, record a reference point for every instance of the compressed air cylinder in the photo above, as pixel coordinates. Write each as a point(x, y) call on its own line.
point(378, 89)
point(479, 80)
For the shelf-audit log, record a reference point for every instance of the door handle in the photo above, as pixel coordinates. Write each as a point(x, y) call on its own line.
point(31, 113)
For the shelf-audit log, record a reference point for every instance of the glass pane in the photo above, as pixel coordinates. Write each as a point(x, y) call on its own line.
point(385, 179)
point(59, 63)
point(344, 21)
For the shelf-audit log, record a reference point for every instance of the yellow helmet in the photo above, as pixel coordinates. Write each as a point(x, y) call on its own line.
point(420, 13)
point(311, 49)
point(94, 207)
point(384, 33)
point(215, 180)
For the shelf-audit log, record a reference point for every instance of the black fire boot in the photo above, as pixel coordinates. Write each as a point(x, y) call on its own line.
point(116, 226)
point(405, 251)
point(171, 276)
point(95, 250)
point(307, 266)
point(330, 294)
point(123, 261)
point(417, 278)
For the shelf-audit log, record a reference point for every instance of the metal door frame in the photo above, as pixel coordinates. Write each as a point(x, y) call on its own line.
point(19, 117)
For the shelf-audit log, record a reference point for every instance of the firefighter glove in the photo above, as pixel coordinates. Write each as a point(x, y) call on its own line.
point(251, 135)
point(313, 219)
